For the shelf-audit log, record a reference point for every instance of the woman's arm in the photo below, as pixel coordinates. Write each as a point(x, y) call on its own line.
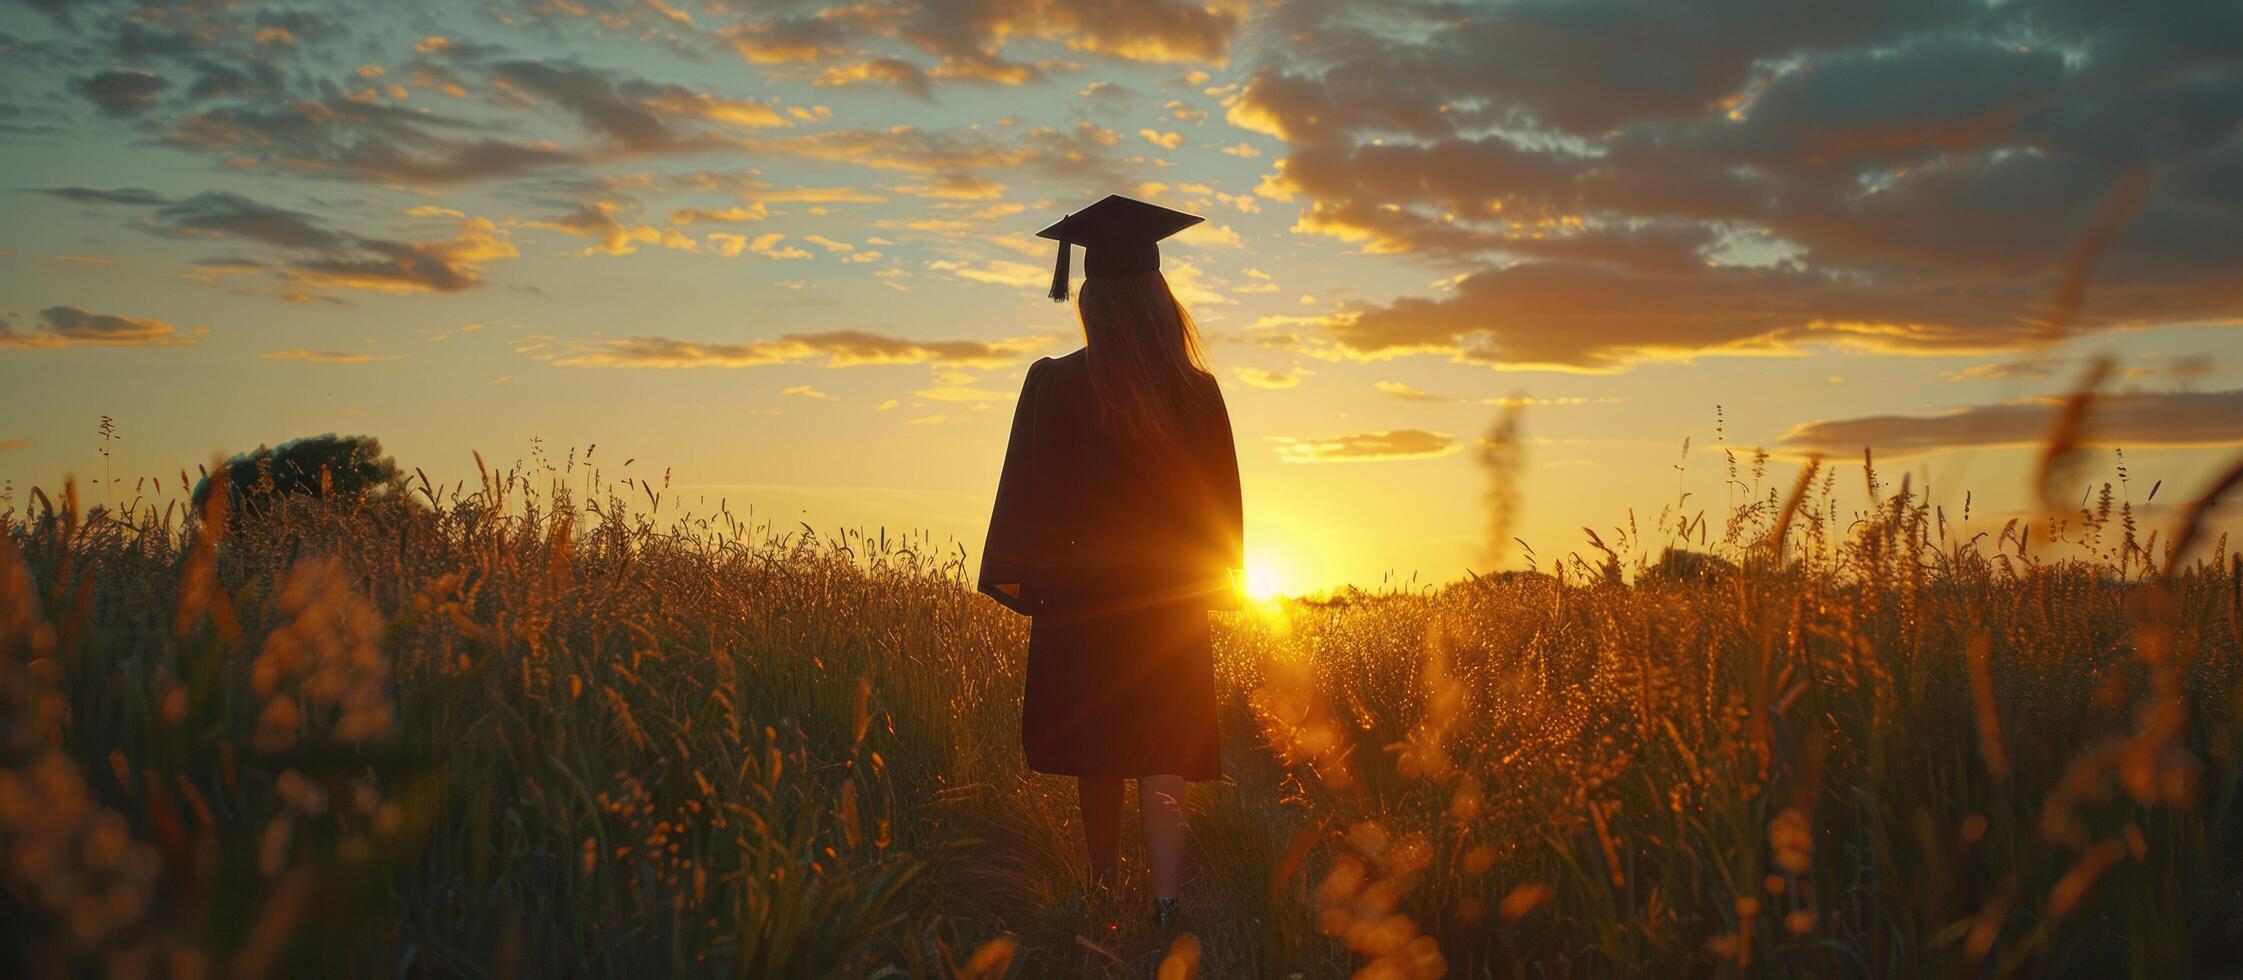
point(1007, 566)
point(1230, 504)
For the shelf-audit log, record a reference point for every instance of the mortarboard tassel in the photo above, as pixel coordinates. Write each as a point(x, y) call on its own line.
point(1059, 275)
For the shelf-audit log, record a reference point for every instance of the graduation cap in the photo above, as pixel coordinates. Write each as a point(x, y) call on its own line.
point(1120, 236)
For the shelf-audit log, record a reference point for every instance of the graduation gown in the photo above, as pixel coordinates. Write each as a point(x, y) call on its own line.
point(1118, 557)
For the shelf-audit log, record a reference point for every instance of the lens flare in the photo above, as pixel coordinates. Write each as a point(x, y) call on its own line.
point(1262, 581)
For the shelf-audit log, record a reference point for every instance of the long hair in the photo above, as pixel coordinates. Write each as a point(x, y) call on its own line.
point(1147, 369)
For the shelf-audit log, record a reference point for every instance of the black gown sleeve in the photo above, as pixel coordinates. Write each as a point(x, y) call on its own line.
point(1230, 503)
point(1008, 556)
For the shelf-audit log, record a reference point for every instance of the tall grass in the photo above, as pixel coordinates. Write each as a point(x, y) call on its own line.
point(511, 731)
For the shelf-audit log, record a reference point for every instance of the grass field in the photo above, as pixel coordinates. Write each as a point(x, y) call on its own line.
point(525, 730)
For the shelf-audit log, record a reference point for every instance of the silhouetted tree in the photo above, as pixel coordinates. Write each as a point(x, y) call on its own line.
point(327, 465)
point(1681, 565)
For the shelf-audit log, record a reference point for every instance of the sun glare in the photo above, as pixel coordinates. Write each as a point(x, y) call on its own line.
point(1262, 583)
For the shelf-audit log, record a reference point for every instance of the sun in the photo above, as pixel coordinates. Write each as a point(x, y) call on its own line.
point(1262, 583)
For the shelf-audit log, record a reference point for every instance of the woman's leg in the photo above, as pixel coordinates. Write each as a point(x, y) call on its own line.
point(1101, 801)
point(1161, 801)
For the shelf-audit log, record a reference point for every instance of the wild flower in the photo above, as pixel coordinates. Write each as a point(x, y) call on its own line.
point(66, 853)
point(323, 667)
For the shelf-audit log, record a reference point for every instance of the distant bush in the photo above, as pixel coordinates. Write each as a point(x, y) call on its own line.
point(326, 465)
point(1682, 565)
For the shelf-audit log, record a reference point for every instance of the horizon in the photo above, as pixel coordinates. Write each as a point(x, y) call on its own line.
point(789, 257)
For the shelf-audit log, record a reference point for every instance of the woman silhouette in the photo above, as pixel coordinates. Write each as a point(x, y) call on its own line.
point(1117, 526)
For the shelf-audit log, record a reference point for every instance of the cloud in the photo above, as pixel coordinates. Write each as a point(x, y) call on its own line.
point(295, 94)
point(956, 187)
point(69, 326)
point(315, 254)
point(1166, 141)
point(2014, 370)
point(217, 214)
point(1408, 393)
point(837, 348)
point(312, 254)
point(970, 39)
point(735, 214)
point(999, 272)
point(903, 75)
point(969, 36)
point(348, 128)
point(1108, 97)
point(633, 113)
point(2186, 368)
point(326, 356)
point(318, 256)
point(1210, 233)
point(2122, 419)
point(337, 137)
point(1367, 447)
point(592, 97)
point(1600, 317)
point(741, 113)
point(960, 157)
point(122, 195)
point(1269, 379)
point(758, 193)
point(1907, 177)
point(442, 162)
point(597, 220)
point(770, 245)
point(435, 266)
point(805, 391)
point(1564, 401)
point(789, 40)
point(122, 93)
point(1151, 30)
point(773, 245)
point(8, 444)
point(14, 121)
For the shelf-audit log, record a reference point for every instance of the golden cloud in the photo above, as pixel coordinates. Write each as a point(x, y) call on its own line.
point(1408, 393)
point(326, 356)
point(837, 348)
point(903, 75)
point(2178, 418)
point(1269, 379)
point(1365, 447)
point(597, 220)
point(69, 326)
point(794, 40)
point(1001, 272)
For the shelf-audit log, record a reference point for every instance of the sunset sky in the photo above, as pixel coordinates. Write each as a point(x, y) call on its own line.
point(786, 250)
